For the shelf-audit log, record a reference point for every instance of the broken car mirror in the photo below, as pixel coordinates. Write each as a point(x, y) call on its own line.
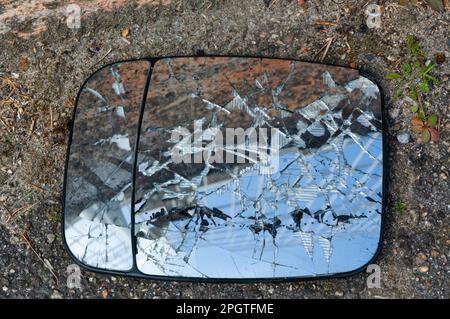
point(225, 168)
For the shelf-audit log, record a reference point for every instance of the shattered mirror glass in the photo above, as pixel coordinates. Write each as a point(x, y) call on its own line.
point(225, 168)
point(97, 212)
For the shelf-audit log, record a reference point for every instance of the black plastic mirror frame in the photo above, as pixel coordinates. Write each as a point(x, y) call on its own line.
point(134, 272)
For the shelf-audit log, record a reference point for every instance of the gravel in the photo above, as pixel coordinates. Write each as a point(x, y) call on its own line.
point(404, 137)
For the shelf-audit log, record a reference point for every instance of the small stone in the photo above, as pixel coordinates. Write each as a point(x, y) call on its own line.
point(423, 269)
point(3, 28)
point(420, 258)
point(270, 290)
point(24, 64)
point(125, 32)
point(339, 294)
point(403, 138)
point(56, 295)
point(274, 37)
point(369, 57)
point(50, 238)
point(440, 57)
point(12, 271)
point(413, 216)
point(5, 289)
point(434, 254)
point(105, 293)
point(393, 113)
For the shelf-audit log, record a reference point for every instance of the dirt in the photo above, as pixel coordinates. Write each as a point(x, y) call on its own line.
point(43, 64)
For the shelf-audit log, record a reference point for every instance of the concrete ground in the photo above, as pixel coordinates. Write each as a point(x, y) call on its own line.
point(43, 62)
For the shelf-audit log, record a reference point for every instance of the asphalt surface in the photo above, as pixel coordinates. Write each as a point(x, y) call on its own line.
point(43, 64)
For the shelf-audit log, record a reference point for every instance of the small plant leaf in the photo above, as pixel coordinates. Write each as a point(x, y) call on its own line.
point(416, 121)
point(407, 69)
point(413, 46)
point(428, 69)
point(417, 129)
point(397, 93)
point(400, 207)
point(437, 5)
point(434, 134)
point(432, 78)
point(414, 108)
point(424, 87)
point(413, 94)
point(422, 117)
point(393, 76)
point(426, 136)
point(432, 120)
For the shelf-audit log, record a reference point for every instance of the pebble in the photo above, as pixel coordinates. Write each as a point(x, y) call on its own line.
point(403, 138)
point(50, 238)
point(413, 216)
point(5, 289)
point(440, 57)
point(423, 269)
point(420, 258)
point(105, 293)
point(339, 294)
point(393, 113)
point(369, 57)
point(56, 295)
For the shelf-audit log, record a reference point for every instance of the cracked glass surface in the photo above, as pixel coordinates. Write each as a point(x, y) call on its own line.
point(317, 213)
point(97, 216)
point(303, 199)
